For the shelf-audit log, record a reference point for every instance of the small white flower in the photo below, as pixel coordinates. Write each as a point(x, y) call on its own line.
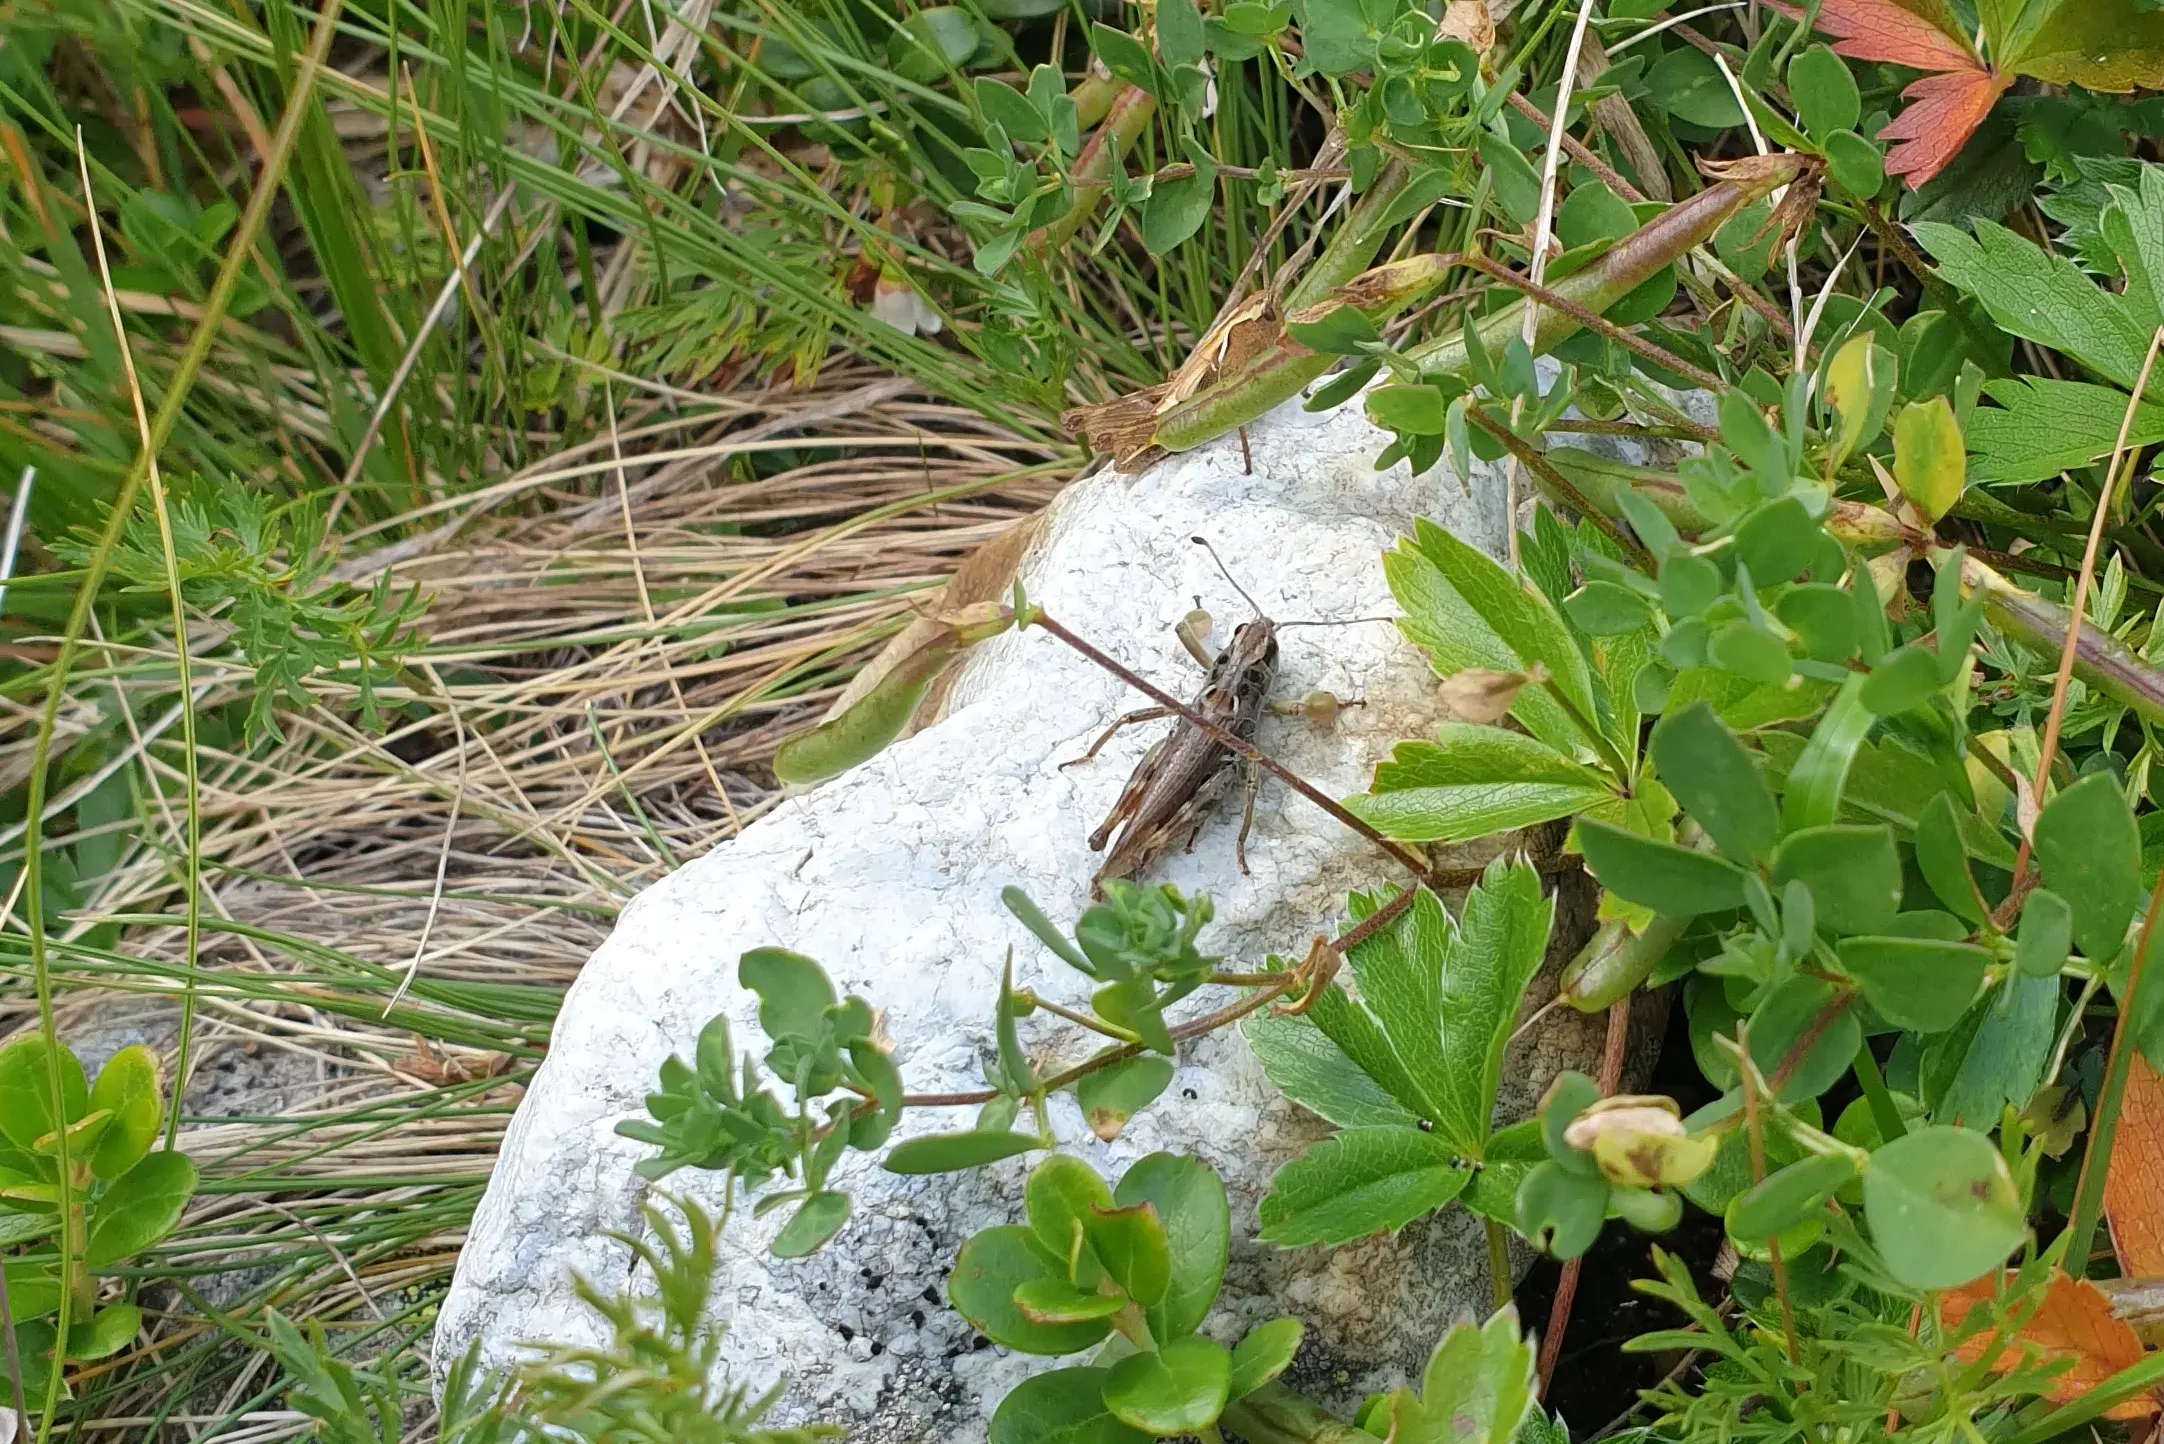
point(897, 303)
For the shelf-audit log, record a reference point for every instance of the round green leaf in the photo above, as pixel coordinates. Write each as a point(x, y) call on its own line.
point(1112, 1095)
point(1061, 1195)
point(1787, 1015)
point(105, 1333)
point(1606, 609)
point(1671, 880)
point(26, 1095)
point(1823, 617)
point(129, 1086)
point(1787, 1197)
point(1904, 678)
point(1715, 779)
point(1568, 1096)
point(1562, 1211)
point(1196, 1217)
point(142, 1207)
point(952, 1152)
point(1942, 1207)
point(1854, 874)
point(1056, 1301)
point(1179, 1389)
point(1265, 1353)
point(1649, 1210)
point(1131, 1245)
point(1777, 541)
point(931, 42)
point(1689, 585)
point(990, 1267)
point(1921, 984)
point(2047, 934)
point(1749, 651)
point(1825, 93)
point(1855, 164)
point(1065, 1406)
point(816, 1220)
point(1943, 858)
point(2090, 850)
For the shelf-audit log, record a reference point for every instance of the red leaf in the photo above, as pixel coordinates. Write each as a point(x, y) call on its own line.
point(1944, 111)
point(1883, 30)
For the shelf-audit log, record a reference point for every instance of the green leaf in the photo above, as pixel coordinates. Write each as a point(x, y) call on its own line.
point(2090, 851)
point(1562, 1211)
point(1196, 1220)
point(1777, 541)
point(2043, 426)
point(1065, 1406)
point(1059, 1197)
point(2047, 934)
point(1473, 782)
point(106, 1333)
point(1855, 164)
point(1179, 32)
point(1511, 1154)
point(1793, 1012)
point(1825, 93)
point(142, 1206)
point(1315, 1073)
point(1716, 781)
point(130, 1088)
point(26, 1094)
point(932, 42)
point(794, 993)
point(1415, 410)
point(1916, 983)
point(1263, 1354)
point(1812, 794)
point(1943, 859)
point(816, 1221)
point(1751, 652)
point(990, 1267)
point(1488, 962)
point(2038, 295)
point(952, 1152)
point(2006, 1053)
point(1859, 386)
point(1056, 1301)
point(1179, 1389)
point(1444, 624)
point(2102, 45)
point(1942, 1207)
point(1511, 176)
point(1659, 875)
point(1930, 464)
point(1854, 874)
point(1124, 56)
point(1031, 916)
point(1477, 1388)
point(1742, 704)
point(1904, 679)
point(1176, 210)
point(1607, 609)
point(1011, 111)
point(1686, 84)
point(1515, 612)
point(1115, 1093)
point(1361, 1181)
point(1131, 1244)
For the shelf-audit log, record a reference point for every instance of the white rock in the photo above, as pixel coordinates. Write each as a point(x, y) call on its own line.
point(890, 876)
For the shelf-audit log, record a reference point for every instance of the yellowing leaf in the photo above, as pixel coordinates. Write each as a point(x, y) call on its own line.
point(1859, 384)
point(1929, 462)
point(2074, 1321)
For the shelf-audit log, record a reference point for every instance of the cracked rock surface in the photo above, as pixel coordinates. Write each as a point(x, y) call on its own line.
point(890, 877)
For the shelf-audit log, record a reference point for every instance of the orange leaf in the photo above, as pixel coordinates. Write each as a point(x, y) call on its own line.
point(2074, 1322)
point(1944, 111)
point(1889, 31)
point(2134, 1189)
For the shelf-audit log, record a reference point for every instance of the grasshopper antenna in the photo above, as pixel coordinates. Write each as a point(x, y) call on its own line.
point(1204, 543)
point(1341, 622)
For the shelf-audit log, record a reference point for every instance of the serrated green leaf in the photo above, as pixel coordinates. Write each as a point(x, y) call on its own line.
point(1359, 1182)
point(1315, 1073)
point(2038, 295)
point(1441, 622)
point(1473, 782)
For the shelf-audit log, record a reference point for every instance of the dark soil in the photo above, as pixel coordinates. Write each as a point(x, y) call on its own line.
point(1595, 1382)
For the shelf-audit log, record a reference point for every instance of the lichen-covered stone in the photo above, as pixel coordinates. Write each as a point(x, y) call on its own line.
point(890, 876)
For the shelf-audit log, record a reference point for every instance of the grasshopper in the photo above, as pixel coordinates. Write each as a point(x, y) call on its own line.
point(1172, 787)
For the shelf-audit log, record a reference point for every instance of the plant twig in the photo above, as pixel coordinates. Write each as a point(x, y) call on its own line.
point(1755, 1128)
point(1566, 1284)
point(1653, 351)
point(1557, 484)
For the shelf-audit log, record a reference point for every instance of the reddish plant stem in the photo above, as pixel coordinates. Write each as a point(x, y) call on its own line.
point(1566, 1286)
point(1601, 325)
